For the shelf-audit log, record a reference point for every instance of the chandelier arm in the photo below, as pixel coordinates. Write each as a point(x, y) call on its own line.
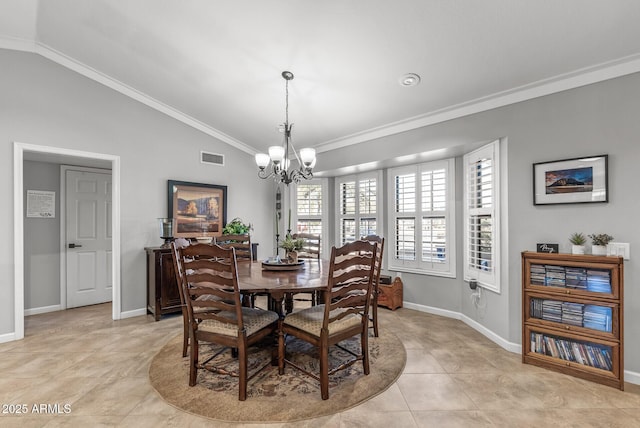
point(262, 173)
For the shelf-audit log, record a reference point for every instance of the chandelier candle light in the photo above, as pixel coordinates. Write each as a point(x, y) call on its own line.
point(279, 155)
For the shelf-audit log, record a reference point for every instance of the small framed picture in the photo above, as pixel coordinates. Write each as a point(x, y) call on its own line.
point(571, 181)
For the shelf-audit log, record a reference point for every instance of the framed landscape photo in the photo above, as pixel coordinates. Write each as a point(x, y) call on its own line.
point(571, 181)
point(198, 209)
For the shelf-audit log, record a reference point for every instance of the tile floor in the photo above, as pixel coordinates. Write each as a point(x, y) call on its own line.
point(454, 377)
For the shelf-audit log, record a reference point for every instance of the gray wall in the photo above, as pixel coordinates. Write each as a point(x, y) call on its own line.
point(42, 240)
point(46, 104)
point(43, 103)
point(597, 119)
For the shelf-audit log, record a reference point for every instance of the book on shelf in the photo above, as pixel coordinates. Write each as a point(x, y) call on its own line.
point(589, 354)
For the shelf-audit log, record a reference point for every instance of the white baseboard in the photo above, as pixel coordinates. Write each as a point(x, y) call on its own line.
point(508, 346)
point(7, 337)
point(133, 313)
point(629, 376)
point(516, 348)
point(632, 377)
point(42, 310)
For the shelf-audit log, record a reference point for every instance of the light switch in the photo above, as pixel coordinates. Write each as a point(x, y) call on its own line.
point(619, 249)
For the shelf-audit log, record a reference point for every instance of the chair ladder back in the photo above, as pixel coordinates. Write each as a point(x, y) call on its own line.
point(376, 281)
point(211, 283)
point(311, 247)
point(351, 274)
point(241, 243)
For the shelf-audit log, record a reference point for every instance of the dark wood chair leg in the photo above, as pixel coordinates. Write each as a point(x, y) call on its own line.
point(242, 362)
point(281, 350)
point(364, 342)
point(193, 364)
point(375, 314)
point(185, 337)
point(324, 366)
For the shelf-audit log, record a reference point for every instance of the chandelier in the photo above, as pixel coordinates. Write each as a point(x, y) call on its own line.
point(279, 155)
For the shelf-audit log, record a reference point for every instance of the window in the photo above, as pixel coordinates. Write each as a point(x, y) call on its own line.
point(359, 212)
point(309, 208)
point(481, 216)
point(422, 218)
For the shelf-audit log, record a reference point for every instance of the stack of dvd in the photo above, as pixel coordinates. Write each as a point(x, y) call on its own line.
point(598, 281)
point(538, 274)
point(555, 276)
point(597, 317)
point(576, 277)
point(552, 310)
point(572, 313)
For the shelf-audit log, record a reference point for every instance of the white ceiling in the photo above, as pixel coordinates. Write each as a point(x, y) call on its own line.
point(216, 64)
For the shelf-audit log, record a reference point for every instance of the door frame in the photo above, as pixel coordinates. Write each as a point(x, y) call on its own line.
point(19, 149)
point(63, 223)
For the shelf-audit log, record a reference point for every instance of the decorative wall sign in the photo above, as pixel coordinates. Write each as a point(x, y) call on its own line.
point(571, 181)
point(41, 204)
point(547, 248)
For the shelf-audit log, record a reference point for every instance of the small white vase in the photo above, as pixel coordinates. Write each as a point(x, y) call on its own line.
point(599, 250)
point(577, 249)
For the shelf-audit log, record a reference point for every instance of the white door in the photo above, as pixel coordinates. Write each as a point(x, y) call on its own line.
point(88, 230)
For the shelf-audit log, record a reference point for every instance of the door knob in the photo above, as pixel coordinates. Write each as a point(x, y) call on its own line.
point(74, 246)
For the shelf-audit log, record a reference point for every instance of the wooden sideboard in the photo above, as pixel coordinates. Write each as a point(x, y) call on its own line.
point(162, 288)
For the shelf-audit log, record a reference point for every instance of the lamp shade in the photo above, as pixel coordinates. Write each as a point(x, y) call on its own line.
point(276, 153)
point(262, 160)
point(307, 155)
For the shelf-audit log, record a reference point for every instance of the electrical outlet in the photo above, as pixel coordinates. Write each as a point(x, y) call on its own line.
point(619, 249)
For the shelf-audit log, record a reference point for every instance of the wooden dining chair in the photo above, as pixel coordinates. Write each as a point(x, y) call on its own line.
point(241, 243)
point(244, 256)
point(310, 251)
point(177, 268)
point(373, 316)
point(343, 314)
point(215, 313)
point(311, 246)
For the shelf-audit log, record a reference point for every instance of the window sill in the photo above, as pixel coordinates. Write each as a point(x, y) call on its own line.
point(421, 271)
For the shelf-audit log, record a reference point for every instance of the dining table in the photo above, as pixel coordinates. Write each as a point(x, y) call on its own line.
point(281, 282)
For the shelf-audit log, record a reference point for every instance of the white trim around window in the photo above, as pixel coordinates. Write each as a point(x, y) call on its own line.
point(421, 213)
point(358, 200)
point(481, 219)
point(315, 213)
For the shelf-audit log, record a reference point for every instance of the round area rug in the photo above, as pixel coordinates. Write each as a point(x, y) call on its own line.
point(272, 397)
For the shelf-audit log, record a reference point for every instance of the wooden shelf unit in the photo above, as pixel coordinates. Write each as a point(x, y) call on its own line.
point(573, 315)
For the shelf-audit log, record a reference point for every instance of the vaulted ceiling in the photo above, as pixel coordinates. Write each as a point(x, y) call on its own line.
point(216, 64)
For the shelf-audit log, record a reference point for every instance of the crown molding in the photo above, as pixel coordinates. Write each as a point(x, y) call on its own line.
point(93, 74)
point(575, 79)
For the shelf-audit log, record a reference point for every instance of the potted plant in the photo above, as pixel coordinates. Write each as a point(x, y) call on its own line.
point(237, 227)
point(577, 240)
point(599, 243)
point(291, 246)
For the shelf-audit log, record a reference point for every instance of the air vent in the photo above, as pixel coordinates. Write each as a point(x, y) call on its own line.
point(212, 158)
